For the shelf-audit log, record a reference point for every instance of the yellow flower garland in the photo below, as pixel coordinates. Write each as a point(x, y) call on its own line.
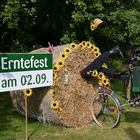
point(60, 64)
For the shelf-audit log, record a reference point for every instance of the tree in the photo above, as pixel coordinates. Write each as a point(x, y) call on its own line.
point(121, 17)
point(29, 24)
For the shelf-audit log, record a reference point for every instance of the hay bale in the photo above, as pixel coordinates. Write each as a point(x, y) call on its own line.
point(74, 98)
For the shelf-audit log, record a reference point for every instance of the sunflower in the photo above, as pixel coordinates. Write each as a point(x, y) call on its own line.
point(92, 46)
point(54, 105)
point(101, 75)
point(72, 46)
point(84, 43)
point(96, 50)
point(60, 63)
point(56, 68)
point(66, 50)
point(27, 92)
point(105, 81)
point(94, 73)
point(108, 85)
point(92, 27)
point(97, 54)
point(63, 56)
point(81, 45)
point(54, 75)
point(88, 44)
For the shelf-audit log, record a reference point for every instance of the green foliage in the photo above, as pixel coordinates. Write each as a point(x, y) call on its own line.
point(121, 17)
point(29, 24)
point(18, 19)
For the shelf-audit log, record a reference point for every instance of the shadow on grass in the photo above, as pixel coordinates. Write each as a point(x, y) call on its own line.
point(132, 133)
point(131, 116)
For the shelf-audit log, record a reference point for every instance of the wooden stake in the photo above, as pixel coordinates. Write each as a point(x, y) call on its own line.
point(26, 117)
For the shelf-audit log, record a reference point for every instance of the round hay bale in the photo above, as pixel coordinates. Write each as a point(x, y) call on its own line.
point(65, 104)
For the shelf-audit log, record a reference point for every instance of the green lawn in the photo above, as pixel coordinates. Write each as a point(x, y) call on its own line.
point(12, 126)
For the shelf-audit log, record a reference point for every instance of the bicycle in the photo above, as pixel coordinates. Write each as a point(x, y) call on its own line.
point(106, 109)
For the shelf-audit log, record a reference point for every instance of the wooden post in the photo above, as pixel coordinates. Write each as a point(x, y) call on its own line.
point(26, 117)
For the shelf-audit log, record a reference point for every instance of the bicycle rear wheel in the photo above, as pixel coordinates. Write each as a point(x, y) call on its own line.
point(105, 110)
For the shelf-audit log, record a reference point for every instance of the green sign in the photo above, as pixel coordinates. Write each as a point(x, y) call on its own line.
point(25, 62)
point(20, 71)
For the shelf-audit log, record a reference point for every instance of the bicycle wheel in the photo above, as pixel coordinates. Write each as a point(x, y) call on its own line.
point(105, 110)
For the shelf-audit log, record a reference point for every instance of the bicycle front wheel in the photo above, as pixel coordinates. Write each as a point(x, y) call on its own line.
point(105, 110)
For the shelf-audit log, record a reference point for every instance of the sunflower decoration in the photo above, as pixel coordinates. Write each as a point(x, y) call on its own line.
point(88, 44)
point(54, 75)
point(101, 75)
point(54, 105)
point(72, 46)
point(83, 44)
point(67, 51)
point(96, 50)
point(53, 93)
point(63, 56)
point(105, 82)
point(97, 54)
point(92, 26)
point(92, 46)
point(60, 63)
point(27, 92)
point(94, 73)
point(56, 68)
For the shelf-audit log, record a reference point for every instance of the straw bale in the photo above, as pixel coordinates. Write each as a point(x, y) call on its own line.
point(75, 98)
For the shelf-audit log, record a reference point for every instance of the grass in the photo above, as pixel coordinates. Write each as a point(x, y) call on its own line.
point(12, 125)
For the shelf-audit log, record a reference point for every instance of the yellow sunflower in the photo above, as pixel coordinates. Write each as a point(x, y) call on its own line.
point(101, 75)
point(56, 68)
point(96, 50)
point(81, 45)
point(92, 46)
point(88, 44)
point(92, 27)
point(97, 54)
point(108, 85)
point(94, 73)
point(105, 81)
point(54, 75)
point(67, 50)
point(72, 46)
point(54, 105)
point(60, 63)
point(63, 56)
point(27, 92)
